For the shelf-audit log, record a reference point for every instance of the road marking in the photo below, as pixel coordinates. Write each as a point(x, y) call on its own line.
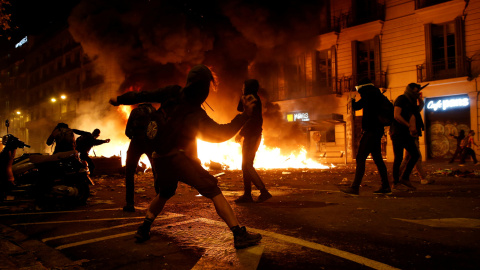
point(245, 259)
point(167, 216)
point(471, 223)
point(72, 221)
point(333, 251)
point(61, 212)
point(94, 240)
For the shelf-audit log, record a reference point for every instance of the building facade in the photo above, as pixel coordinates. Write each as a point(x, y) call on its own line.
point(44, 81)
point(394, 43)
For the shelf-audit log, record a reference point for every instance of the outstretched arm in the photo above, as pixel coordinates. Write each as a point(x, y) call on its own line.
point(160, 95)
point(80, 132)
point(211, 131)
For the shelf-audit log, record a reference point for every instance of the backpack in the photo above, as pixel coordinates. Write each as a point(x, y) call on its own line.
point(385, 111)
point(65, 139)
point(139, 120)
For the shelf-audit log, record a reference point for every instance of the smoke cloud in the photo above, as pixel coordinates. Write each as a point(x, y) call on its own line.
point(146, 44)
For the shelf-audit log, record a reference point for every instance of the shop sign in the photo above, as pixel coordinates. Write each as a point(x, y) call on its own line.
point(298, 116)
point(448, 103)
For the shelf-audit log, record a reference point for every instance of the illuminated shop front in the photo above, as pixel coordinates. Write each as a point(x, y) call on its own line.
point(324, 134)
point(445, 116)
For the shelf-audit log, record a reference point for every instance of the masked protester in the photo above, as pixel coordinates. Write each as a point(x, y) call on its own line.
point(418, 107)
point(136, 130)
point(85, 142)
point(371, 141)
point(180, 121)
point(252, 135)
point(404, 133)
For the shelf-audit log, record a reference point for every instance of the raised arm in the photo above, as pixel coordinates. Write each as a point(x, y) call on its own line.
point(160, 95)
point(211, 131)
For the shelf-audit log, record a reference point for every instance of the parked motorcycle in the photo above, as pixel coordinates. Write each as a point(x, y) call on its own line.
point(60, 179)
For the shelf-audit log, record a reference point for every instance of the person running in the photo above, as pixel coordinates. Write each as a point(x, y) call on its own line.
point(85, 142)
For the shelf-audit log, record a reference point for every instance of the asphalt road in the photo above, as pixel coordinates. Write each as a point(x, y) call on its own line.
point(308, 224)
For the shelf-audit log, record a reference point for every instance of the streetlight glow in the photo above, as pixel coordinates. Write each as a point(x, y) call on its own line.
point(18, 112)
point(53, 99)
point(63, 97)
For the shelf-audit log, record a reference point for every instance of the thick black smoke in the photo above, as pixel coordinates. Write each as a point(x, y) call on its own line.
point(152, 43)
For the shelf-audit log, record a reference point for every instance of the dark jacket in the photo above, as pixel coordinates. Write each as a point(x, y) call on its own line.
point(86, 141)
point(185, 121)
point(253, 127)
point(370, 98)
point(64, 139)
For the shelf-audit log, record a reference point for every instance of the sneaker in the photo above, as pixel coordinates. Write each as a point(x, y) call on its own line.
point(407, 184)
point(142, 234)
point(244, 239)
point(264, 196)
point(427, 181)
point(129, 208)
point(385, 191)
point(350, 191)
point(398, 186)
point(244, 199)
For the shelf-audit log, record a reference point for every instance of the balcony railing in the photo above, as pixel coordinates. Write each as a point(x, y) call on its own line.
point(347, 83)
point(440, 72)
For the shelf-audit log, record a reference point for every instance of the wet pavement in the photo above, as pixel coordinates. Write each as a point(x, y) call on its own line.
point(308, 224)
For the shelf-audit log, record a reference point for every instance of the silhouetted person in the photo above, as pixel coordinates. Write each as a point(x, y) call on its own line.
point(136, 130)
point(468, 148)
point(424, 179)
point(175, 144)
point(459, 150)
point(252, 135)
point(85, 142)
point(63, 138)
point(404, 131)
point(371, 141)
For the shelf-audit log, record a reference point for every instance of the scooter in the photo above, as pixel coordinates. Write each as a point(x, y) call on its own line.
point(59, 179)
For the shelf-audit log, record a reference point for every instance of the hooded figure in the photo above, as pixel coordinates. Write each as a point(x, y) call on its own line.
point(198, 85)
point(181, 121)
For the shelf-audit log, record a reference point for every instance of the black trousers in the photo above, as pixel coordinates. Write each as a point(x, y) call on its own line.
point(401, 142)
point(458, 152)
point(136, 149)
point(467, 151)
point(250, 175)
point(178, 167)
point(370, 143)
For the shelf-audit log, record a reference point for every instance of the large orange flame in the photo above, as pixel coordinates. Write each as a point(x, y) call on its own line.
point(227, 155)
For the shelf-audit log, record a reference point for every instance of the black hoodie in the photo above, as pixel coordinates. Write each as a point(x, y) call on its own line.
point(369, 102)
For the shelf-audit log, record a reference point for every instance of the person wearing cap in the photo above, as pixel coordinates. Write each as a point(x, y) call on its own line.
point(175, 148)
point(252, 135)
point(404, 132)
point(85, 142)
point(372, 133)
point(424, 178)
